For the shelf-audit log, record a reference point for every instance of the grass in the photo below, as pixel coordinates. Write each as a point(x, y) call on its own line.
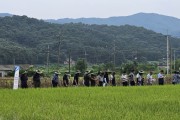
point(93, 103)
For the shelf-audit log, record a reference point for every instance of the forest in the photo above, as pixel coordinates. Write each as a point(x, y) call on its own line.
point(25, 40)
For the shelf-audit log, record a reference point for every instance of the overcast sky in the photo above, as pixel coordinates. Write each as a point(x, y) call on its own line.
point(55, 9)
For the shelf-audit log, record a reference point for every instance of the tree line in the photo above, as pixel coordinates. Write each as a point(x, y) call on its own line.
point(26, 40)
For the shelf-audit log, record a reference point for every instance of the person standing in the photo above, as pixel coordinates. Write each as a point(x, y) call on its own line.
point(161, 77)
point(100, 78)
point(140, 79)
point(24, 80)
point(113, 79)
point(93, 79)
point(87, 78)
point(66, 79)
point(76, 78)
point(55, 79)
point(36, 79)
point(150, 79)
point(110, 78)
point(131, 78)
point(176, 78)
point(124, 79)
point(106, 77)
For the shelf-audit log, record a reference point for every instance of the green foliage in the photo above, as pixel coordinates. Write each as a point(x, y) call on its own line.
point(81, 65)
point(133, 65)
point(178, 64)
point(25, 40)
point(97, 103)
point(147, 67)
point(129, 66)
point(109, 66)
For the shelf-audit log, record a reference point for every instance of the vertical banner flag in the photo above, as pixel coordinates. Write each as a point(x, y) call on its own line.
point(16, 77)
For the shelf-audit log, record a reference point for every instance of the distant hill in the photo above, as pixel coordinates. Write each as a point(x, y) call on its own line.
point(5, 14)
point(151, 21)
point(26, 40)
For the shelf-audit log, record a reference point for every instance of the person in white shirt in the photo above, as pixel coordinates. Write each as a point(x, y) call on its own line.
point(100, 78)
point(124, 79)
point(140, 79)
point(161, 77)
point(150, 79)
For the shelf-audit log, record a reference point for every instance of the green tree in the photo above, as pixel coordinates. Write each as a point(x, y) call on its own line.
point(177, 64)
point(81, 65)
point(131, 65)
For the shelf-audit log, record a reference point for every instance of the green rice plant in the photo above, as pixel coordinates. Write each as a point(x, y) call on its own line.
point(91, 103)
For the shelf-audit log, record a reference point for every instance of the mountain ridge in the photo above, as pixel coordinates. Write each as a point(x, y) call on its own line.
point(5, 14)
point(26, 40)
point(152, 21)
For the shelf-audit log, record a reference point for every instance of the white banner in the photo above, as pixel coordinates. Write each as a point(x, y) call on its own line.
point(16, 77)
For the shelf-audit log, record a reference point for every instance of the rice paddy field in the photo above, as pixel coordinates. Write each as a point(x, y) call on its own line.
point(91, 103)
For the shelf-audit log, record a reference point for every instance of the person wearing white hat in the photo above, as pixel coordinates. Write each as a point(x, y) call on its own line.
point(55, 79)
point(140, 79)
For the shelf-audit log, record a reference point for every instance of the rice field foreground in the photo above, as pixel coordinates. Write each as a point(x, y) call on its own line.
point(81, 103)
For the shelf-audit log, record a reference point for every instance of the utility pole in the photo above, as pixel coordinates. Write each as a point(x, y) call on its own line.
point(59, 53)
point(85, 55)
point(60, 36)
point(174, 59)
point(167, 55)
point(170, 59)
point(48, 59)
point(69, 61)
point(114, 54)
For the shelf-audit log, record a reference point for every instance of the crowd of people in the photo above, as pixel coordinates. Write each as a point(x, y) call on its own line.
point(106, 78)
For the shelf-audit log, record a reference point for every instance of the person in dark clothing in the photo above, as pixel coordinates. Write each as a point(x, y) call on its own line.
point(36, 79)
point(87, 78)
point(24, 79)
point(106, 77)
point(113, 79)
point(93, 79)
point(55, 79)
point(76, 78)
point(66, 79)
point(161, 77)
point(131, 78)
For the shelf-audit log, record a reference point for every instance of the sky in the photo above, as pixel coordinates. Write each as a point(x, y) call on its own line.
point(57, 9)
